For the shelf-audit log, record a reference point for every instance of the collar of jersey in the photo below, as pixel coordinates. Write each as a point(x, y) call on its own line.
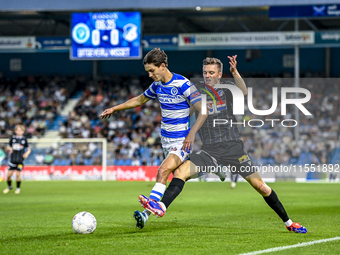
point(173, 77)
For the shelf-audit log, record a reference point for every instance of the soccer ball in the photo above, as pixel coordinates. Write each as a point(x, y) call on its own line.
point(84, 223)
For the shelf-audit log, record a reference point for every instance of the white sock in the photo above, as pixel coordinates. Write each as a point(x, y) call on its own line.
point(162, 205)
point(157, 191)
point(288, 223)
point(147, 214)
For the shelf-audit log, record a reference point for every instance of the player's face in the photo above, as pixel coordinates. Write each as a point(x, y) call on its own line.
point(156, 73)
point(211, 75)
point(19, 131)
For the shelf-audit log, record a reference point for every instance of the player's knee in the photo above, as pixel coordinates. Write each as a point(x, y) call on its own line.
point(264, 189)
point(163, 174)
point(183, 172)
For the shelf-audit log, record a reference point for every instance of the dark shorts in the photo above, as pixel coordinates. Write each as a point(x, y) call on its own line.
point(18, 167)
point(229, 154)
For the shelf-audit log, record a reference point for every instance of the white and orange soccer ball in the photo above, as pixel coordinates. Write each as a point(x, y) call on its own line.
point(84, 223)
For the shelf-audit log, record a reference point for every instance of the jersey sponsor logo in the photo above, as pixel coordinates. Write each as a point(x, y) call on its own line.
point(168, 98)
point(17, 147)
point(243, 158)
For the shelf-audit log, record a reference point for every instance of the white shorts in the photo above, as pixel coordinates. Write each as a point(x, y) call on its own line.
point(176, 148)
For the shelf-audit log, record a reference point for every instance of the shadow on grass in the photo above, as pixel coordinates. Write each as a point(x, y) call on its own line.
point(102, 233)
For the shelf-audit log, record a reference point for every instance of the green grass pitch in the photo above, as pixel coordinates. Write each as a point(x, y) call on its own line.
point(207, 218)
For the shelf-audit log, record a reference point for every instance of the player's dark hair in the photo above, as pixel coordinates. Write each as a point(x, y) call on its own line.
point(156, 56)
point(214, 61)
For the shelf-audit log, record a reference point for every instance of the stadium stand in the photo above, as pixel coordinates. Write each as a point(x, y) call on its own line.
point(134, 135)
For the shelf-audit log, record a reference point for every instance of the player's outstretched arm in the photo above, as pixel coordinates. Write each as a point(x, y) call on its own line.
point(237, 77)
point(189, 140)
point(132, 103)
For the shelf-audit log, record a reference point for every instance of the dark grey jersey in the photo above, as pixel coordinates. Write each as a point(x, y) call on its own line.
point(19, 146)
point(219, 107)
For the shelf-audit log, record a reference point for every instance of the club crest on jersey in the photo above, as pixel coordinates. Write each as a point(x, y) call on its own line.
point(174, 91)
point(220, 92)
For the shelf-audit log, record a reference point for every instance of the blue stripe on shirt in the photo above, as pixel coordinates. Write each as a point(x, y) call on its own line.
point(196, 100)
point(176, 121)
point(175, 134)
point(149, 96)
point(178, 106)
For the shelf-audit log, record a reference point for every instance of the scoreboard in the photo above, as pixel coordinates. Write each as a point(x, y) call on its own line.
point(105, 35)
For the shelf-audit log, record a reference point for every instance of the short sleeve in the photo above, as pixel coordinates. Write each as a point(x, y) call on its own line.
point(191, 92)
point(151, 91)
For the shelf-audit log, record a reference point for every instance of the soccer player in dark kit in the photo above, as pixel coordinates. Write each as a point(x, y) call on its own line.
point(19, 151)
point(221, 145)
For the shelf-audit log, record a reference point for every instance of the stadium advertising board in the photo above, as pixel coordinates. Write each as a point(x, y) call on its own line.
point(106, 35)
point(160, 40)
point(308, 172)
point(304, 11)
point(119, 173)
point(246, 39)
point(20, 42)
point(331, 37)
point(53, 43)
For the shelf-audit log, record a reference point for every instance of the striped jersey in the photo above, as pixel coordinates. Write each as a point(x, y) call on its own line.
point(219, 107)
point(175, 98)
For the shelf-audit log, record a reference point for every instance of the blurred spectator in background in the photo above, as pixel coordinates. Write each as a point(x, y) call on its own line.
point(39, 159)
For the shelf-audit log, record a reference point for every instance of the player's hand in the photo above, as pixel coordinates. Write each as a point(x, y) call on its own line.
point(25, 155)
point(107, 113)
point(233, 63)
point(188, 142)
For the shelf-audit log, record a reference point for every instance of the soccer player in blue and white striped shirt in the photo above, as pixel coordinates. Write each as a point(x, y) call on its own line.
point(176, 94)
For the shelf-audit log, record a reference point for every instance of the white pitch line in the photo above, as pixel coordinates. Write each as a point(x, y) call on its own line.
point(292, 246)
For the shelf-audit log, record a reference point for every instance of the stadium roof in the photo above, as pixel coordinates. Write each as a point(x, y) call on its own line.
point(52, 18)
point(82, 5)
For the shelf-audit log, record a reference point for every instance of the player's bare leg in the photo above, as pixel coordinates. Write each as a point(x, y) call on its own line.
point(9, 182)
point(171, 162)
point(181, 175)
point(18, 175)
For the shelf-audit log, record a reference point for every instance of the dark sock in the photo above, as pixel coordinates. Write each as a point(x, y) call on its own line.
point(18, 185)
point(234, 177)
point(175, 187)
point(274, 203)
point(9, 183)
